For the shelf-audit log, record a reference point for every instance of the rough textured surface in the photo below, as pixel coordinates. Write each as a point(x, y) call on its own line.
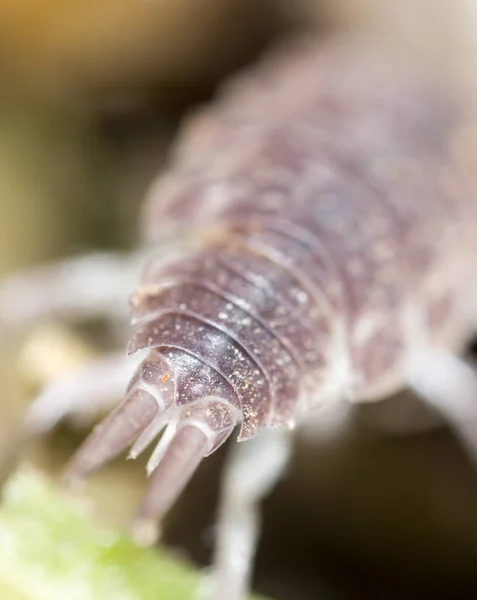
point(324, 179)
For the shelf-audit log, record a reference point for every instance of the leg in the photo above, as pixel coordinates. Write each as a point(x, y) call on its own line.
point(326, 422)
point(88, 390)
point(449, 385)
point(253, 469)
point(92, 285)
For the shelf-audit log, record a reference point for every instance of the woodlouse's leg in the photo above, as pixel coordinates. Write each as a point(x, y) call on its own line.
point(326, 422)
point(252, 470)
point(449, 385)
point(96, 284)
point(89, 390)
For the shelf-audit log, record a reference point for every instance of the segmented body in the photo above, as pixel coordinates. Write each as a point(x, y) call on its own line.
point(333, 244)
point(338, 236)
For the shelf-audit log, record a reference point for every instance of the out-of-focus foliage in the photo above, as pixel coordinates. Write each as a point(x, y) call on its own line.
point(111, 49)
point(51, 549)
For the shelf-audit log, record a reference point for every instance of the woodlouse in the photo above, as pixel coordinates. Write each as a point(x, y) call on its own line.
point(333, 243)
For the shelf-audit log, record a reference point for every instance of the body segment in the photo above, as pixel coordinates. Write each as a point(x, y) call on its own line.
point(339, 229)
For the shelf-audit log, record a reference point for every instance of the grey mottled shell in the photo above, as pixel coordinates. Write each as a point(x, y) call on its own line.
point(334, 225)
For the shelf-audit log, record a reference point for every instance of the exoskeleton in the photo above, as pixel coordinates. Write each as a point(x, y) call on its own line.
point(330, 242)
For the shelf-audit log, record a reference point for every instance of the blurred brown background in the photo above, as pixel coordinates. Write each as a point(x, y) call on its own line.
point(91, 94)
